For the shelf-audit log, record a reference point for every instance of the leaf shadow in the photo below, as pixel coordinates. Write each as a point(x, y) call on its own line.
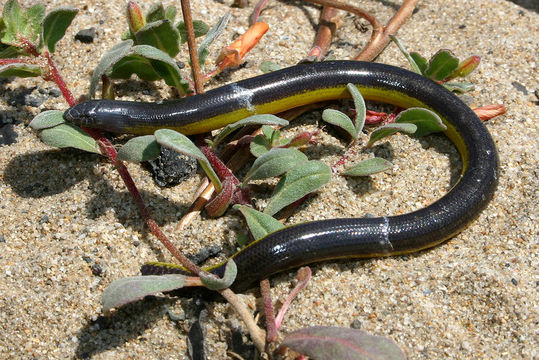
point(55, 171)
point(127, 323)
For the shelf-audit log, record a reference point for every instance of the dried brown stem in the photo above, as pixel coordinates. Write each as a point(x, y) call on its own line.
point(257, 334)
point(193, 54)
point(381, 39)
point(326, 29)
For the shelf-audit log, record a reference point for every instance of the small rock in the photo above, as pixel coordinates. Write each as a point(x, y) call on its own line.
point(86, 35)
point(520, 87)
point(2, 239)
point(356, 324)
point(97, 270)
point(171, 168)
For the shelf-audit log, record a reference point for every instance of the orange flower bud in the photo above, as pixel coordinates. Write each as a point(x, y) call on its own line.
point(233, 54)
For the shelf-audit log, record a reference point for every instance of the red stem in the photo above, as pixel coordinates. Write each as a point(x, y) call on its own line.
point(54, 75)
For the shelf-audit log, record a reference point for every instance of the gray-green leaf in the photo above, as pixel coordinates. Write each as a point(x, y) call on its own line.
point(20, 70)
point(214, 32)
point(259, 224)
point(164, 65)
point(259, 146)
point(361, 109)
point(67, 135)
point(420, 61)
point(159, 34)
point(14, 22)
point(140, 148)
point(388, 130)
point(181, 143)
point(341, 120)
point(111, 57)
point(459, 87)
point(35, 15)
point(368, 167)
point(411, 59)
point(330, 343)
point(170, 13)
point(265, 119)
point(124, 291)
point(156, 13)
point(269, 66)
point(274, 163)
point(427, 121)
point(212, 283)
point(200, 28)
point(441, 65)
point(47, 119)
point(298, 182)
point(55, 25)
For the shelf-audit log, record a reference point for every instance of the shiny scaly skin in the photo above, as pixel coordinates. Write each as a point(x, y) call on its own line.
point(303, 84)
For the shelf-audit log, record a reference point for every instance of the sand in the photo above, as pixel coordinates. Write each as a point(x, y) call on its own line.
point(68, 227)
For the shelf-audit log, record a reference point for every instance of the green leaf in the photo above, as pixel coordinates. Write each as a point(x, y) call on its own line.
point(269, 66)
point(163, 65)
point(441, 65)
point(159, 34)
point(111, 57)
point(264, 119)
point(123, 291)
point(388, 130)
point(35, 15)
point(156, 13)
point(67, 135)
point(8, 51)
point(427, 121)
point(214, 32)
point(330, 343)
point(212, 283)
point(138, 149)
point(14, 22)
point(298, 182)
point(274, 163)
point(170, 13)
point(200, 28)
point(420, 61)
point(20, 70)
point(47, 119)
point(55, 25)
point(268, 132)
point(259, 146)
point(341, 120)
point(368, 167)
point(361, 109)
point(181, 143)
point(459, 87)
point(415, 67)
point(134, 64)
point(259, 224)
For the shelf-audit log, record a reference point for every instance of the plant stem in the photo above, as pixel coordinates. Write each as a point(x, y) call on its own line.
point(197, 77)
point(257, 334)
point(54, 75)
point(326, 29)
point(381, 40)
point(271, 329)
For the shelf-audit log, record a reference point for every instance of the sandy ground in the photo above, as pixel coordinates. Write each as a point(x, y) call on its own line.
point(63, 213)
